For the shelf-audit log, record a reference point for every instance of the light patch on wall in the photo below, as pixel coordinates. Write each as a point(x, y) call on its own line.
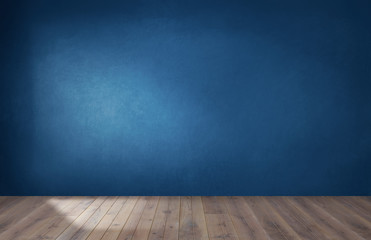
point(104, 105)
point(104, 98)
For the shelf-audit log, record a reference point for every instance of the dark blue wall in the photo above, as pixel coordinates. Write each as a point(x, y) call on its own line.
point(180, 98)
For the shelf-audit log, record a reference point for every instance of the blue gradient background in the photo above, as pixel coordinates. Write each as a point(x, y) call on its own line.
point(185, 98)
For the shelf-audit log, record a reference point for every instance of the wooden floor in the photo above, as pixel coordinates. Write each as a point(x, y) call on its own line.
point(185, 218)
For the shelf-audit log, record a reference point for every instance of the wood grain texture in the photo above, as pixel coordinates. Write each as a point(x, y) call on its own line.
point(157, 230)
point(146, 220)
point(335, 228)
point(107, 220)
point(185, 218)
point(119, 222)
point(244, 220)
point(62, 219)
point(172, 221)
point(220, 226)
point(129, 228)
point(93, 221)
point(34, 220)
point(76, 225)
point(19, 210)
point(349, 218)
point(301, 222)
point(273, 224)
point(199, 221)
point(358, 205)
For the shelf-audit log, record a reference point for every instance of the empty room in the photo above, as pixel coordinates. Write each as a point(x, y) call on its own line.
point(185, 120)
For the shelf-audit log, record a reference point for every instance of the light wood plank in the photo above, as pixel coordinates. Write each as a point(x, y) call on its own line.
point(245, 222)
point(304, 226)
point(82, 204)
point(184, 218)
point(118, 223)
point(145, 222)
point(356, 204)
point(344, 215)
point(199, 222)
point(35, 219)
point(19, 210)
point(8, 202)
point(58, 223)
point(220, 226)
point(212, 205)
point(128, 230)
point(336, 229)
point(159, 223)
point(70, 215)
point(186, 221)
point(93, 221)
point(103, 225)
point(166, 222)
point(79, 222)
point(172, 222)
point(274, 225)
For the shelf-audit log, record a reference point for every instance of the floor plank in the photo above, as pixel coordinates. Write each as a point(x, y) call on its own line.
point(218, 220)
point(159, 222)
point(274, 225)
point(93, 221)
point(8, 202)
point(335, 228)
point(18, 211)
point(144, 226)
point(244, 220)
point(166, 221)
point(213, 205)
point(303, 225)
point(58, 223)
point(199, 222)
point(357, 205)
point(185, 218)
point(80, 221)
point(107, 220)
point(355, 222)
point(172, 221)
point(118, 223)
point(128, 230)
point(34, 220)
point(220, 226)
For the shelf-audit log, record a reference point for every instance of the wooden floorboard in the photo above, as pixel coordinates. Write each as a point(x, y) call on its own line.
point(244, 220)
point(185, 218)
point(273, 223)
point(120, 220)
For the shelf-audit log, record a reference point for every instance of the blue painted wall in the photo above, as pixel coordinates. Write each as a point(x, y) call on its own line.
point(180, 98)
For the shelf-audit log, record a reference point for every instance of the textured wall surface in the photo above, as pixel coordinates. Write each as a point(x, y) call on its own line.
point(185, 98)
